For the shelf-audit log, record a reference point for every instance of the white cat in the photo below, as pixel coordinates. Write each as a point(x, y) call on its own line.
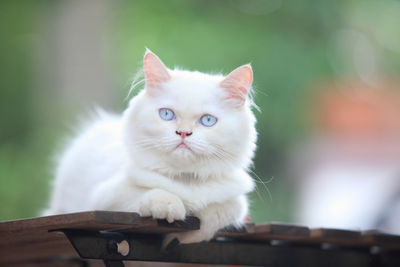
point(182, 147)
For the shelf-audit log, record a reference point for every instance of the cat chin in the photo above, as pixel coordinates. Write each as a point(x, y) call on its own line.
point(183, 152)
point(174, 164)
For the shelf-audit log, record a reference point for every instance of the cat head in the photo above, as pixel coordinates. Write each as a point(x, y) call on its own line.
point(185, 121)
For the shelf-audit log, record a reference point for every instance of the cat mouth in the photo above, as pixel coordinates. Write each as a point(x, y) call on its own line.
point(183, 145)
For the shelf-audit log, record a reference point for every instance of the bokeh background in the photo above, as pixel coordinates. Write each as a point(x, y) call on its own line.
point(326, 81)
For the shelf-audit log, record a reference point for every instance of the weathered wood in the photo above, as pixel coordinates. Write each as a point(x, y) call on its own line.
point(96, 220)
point(34, 239)
point(268, 232)
point(377, 238)
point(336, 237)
point(303, 235)
point(335, 233)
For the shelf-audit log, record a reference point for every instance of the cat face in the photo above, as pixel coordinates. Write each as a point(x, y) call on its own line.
point(189, 120)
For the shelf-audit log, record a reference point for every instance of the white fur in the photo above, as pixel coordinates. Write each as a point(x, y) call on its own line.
point(132, 163)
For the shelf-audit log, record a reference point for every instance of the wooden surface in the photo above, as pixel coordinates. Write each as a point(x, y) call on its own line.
point(303, 235)
point(37, 239)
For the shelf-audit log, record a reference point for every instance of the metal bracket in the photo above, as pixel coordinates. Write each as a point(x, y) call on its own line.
point(115, 247)
point(111, 247)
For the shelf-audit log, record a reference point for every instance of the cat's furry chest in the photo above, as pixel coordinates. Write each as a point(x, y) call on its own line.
point(186, 177)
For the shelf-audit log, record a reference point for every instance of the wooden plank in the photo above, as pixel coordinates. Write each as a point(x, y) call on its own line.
point(380, 239)
point(34, 252)
point(279, 229)
point(317, 236)
point(35, 230)
point(335, 233)
point(336, 237)
point(237, 232)
point(30, 239)
point(267, 232)
point(95, 220)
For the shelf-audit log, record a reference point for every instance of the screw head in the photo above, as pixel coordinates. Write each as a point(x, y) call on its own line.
point(116, 247)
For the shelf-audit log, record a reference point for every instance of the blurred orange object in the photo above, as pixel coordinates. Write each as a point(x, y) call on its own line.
point(359, 110)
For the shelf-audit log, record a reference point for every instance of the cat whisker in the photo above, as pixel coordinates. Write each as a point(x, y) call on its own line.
point(264, 184)
point(134, 85)
point(146, 144)
point(223, 153)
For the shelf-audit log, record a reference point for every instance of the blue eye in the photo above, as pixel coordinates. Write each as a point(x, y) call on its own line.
point(208, 120)
point(166, 114)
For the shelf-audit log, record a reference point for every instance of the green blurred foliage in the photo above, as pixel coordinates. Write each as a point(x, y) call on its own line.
point(15, 66)
point(24, 150)
point(287, 42)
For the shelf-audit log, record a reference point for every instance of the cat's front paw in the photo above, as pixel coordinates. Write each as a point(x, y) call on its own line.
point(161, 204)
point(188, 237)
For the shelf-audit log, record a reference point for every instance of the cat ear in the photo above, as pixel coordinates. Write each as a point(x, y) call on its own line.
point(154, 70)
point(238, 84)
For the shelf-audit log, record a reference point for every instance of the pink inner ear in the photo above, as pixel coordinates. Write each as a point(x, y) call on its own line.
point(238, 82)
point(155, 70)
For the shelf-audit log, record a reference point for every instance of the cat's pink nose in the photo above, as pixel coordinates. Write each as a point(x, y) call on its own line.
point(183, 134)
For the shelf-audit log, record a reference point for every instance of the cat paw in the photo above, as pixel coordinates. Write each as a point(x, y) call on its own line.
point(162, 205)
point(188, 237)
